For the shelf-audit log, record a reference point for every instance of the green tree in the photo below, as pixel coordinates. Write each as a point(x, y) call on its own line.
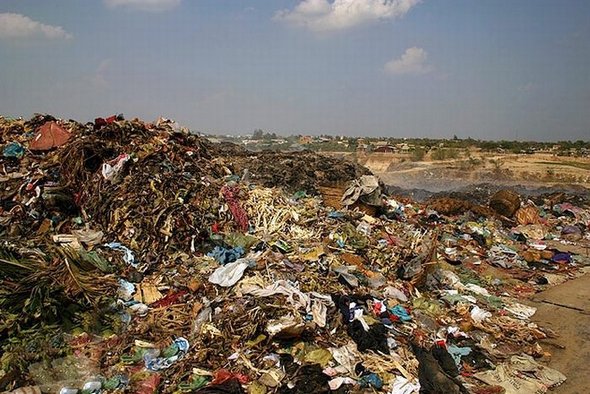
point(258, 134)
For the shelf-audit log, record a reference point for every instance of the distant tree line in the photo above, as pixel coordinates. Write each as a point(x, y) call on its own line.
point(503, 145)
point(259, 134)
point(440, 149)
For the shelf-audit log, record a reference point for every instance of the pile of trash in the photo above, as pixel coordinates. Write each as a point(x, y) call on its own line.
point(138, 257)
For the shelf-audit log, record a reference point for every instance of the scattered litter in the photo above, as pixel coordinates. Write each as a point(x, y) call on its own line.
point(232, 271)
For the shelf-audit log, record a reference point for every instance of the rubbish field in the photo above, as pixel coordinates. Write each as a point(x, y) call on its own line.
point(137, 257)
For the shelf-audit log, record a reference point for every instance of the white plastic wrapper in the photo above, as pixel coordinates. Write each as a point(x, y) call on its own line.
point(229, 274)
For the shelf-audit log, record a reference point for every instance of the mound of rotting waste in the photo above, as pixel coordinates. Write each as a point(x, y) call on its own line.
point(137, 257)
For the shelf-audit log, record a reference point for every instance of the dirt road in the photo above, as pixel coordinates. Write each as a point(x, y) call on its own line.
point(566, 310)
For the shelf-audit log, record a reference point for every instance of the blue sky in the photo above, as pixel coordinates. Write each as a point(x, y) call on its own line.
point(489, 69)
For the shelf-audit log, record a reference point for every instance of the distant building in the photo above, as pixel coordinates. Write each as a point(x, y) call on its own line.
point(385, 149)
point(306, 139)
point(404, 147)
point(362, 148)
point(295, 147)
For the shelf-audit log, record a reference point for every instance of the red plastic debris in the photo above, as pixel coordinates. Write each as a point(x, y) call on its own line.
point(101, 122)
point(149, 385)
point(170, 299)
point(377, 307)
point(49, 136)
point(223, 375)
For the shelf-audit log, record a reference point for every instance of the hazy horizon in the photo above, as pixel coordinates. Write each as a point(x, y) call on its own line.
point(489, 70)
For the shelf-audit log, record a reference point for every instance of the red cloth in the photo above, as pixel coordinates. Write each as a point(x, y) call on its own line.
point(239, 214)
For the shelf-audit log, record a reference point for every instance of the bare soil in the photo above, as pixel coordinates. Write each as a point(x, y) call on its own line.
point(476, 167)
point(566, 310)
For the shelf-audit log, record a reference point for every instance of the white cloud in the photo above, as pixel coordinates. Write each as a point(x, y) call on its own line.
point(412, 62)
point(330, 15)
point(18, 26)
point(144, 5)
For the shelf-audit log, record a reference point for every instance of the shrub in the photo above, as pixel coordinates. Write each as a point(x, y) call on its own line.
point(418, 154)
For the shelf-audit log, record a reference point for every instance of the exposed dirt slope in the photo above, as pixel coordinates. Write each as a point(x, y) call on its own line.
point(571, 320)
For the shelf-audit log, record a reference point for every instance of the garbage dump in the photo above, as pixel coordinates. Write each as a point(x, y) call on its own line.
point(137, 257)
